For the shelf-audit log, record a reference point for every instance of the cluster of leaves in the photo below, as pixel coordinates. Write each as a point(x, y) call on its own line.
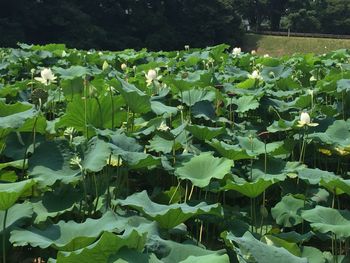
point(188, 156)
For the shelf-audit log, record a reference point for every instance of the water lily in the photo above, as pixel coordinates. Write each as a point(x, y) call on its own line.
point(236, 51)
point(255, 75)
point(306, 120)
point(47, 77)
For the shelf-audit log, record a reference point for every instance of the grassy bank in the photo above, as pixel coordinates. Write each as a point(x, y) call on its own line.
point(282, 45)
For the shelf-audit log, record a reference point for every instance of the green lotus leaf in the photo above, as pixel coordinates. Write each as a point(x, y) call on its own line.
point(56, 202)
point(336, 185)
point(259, 252)
point(97, 155)
point(126, 255)
point(232, 152)
point(249, 189)
point(313, 255)
point(255, 147)
point(11, 192)
point(278, 242)
point(204, 109)
point(159, 144)
point(287, 212)
point(276, 169)
point(343, 85)
point(14, 164)
point(314, 176)
point(98, 114)
point(170, 251)
point(203, 132)
point(72, 72)
point(325, 219)
point(207, 259)
point(191, 97)
point(168, 216)
point(102, 249)
point(274, 73)
point(162, 109)
point(16, 215)
point(13, 116)
point(67, 236)
point(51, 162)
point(337, 134)
point(136, 100)
point(204, 167)
point(246, 103)
point(246, 84)
point(295, 237)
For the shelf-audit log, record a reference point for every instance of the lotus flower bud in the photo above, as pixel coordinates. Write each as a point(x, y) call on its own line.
point(123, 66)
point(105, 65)
point(305, 118)
point(151, 74)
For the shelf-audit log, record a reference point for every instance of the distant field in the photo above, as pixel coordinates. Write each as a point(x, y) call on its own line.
point(282, 45)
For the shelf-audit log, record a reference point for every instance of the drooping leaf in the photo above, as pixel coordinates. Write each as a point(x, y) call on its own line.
point(326, 219)
point(168, 216)
point(16, 215)
point(51, 163)
point(251, 189)
point(96, 155)
point(11, 192)
point(135, 99)
point(259, 252)
point(67, 236)
point(102, 249)
point(204, 132)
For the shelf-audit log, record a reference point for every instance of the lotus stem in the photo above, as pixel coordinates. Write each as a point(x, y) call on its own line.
point(100, 111)
point(4, 238)
point(172, 196)
point(191, 192)
point(85, 109)
point(200, 232)
point(96, 192)
point(112, 103)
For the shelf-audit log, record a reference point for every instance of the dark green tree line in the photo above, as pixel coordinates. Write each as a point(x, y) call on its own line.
point(111, 24)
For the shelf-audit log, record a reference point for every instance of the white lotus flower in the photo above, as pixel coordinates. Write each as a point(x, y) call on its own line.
point(151, 76)
point(47, 77)
point(236, 51)
point(266, 56)
point(312, 78)
point(187, 47)
point(253, 52)
point(305, 120)
point(123, 66)
point(255, 75)
point(163, 127)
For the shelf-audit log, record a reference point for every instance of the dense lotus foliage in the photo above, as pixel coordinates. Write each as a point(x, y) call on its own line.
point(189, 156)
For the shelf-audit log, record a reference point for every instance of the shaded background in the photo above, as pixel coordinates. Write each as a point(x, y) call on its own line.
point(162, 25)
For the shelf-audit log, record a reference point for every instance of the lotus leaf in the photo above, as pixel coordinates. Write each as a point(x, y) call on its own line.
point(204, 167)
point(68, 236)
point(168, 216)
point(287, 212)
point(260, 252)
point(326, 219)
point(11, 192)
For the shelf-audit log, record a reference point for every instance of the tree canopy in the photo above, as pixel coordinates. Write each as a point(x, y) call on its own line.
point(160, 24)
